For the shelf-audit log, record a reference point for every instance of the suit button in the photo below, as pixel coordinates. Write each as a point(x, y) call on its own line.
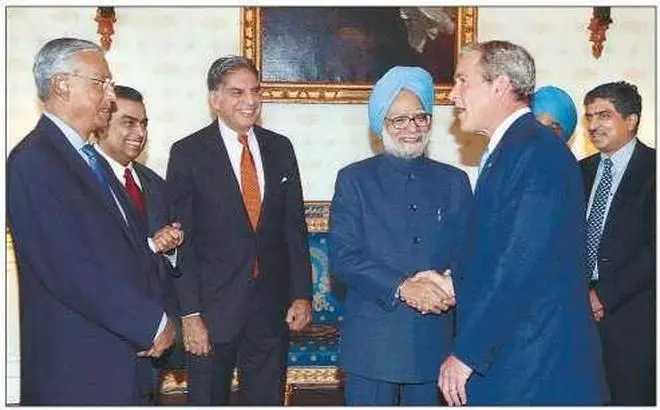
point(604, 260)
point(411, 176)
point(412, 207)
point(416, 240)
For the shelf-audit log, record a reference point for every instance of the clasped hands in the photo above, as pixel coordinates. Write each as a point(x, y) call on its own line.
point(429, 291)
point(168, 237)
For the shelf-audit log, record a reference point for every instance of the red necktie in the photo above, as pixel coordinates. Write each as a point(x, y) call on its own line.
point(250, 189)
point(133, 191)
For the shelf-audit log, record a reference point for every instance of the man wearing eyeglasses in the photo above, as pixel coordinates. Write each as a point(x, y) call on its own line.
point(396, 223)
point(88, 307)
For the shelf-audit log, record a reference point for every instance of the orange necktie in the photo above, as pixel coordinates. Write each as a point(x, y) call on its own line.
point(250, 189)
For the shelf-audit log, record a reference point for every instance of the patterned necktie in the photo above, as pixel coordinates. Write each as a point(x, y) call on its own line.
point(250, 189)
point(98, 170)
point(596, 216)
point(133, 191)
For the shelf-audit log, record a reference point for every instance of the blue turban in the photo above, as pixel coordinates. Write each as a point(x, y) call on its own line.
point(557, 104)
point(414, 79)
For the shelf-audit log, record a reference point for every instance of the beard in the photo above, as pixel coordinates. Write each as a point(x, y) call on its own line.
point(405, 150)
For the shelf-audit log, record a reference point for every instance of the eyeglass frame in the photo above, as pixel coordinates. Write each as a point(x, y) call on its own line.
point(428, 117)
point(108, 83)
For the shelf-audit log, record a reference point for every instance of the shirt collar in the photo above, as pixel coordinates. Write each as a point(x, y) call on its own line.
point(231, 136)
point(71, 135)
point(504, 125)
point(117, 168)
point(621, 158)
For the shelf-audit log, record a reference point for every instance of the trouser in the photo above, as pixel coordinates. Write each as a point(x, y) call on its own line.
point(361, 391)
point(257, 353)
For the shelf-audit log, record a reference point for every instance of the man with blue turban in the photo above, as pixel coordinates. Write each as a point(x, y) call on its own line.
point(396, 222)
point(553, 107)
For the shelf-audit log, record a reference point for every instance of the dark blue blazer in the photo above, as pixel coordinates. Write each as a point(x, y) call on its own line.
point(626, 285)
point(389, 219)
point(523, 322)
point(220, 247)
point(85, 278)
point(158, 215)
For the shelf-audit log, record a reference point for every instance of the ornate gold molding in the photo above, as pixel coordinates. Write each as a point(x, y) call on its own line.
point(299, 92)
point(317, 215)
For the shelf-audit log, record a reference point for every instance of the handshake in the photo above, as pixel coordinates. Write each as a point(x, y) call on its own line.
point(429, 291)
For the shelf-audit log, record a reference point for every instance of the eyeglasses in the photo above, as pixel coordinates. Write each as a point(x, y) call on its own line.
point(106, 83)
point(403, 121)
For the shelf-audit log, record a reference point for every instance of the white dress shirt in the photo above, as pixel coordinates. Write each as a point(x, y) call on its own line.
point(235, 148)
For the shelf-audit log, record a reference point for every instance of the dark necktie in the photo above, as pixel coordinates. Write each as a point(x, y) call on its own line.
point(250, 189)
point(597, 214)
point(134, 191)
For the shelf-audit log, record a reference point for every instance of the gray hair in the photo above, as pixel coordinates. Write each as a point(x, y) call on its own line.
point(228, 64)
point(507, 59)
point(57, 56)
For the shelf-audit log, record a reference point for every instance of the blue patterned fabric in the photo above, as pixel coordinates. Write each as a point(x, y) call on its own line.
point(317, 345)
point(596, 216)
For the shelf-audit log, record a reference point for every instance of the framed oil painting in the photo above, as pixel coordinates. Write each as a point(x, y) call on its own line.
point(336, 54)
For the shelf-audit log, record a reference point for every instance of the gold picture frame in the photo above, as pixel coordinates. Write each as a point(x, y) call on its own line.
point(263, 40)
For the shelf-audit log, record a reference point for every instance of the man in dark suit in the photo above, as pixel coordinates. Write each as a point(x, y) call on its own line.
point(245, 269)
point(397, 219)
point(524, 332)
point(87, 302)
point(120, 144)
point(619, 185)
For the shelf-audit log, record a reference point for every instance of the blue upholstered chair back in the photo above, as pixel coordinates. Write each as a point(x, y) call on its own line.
point(327, 304)
point(317, 345)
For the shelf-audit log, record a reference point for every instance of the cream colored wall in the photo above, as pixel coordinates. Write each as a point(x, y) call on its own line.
point(165, 53)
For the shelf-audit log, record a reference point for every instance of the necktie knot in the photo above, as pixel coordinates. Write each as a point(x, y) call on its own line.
point(89, 151)
point(242, 138)
point(96, 166)
point(607, 164)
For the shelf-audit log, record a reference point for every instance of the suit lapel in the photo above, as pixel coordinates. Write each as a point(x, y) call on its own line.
point(589, 174)
point(222, 173)
point(270, 172)
point(633, 176)
point(152, 202)
point(77, 165)
point(72, 160)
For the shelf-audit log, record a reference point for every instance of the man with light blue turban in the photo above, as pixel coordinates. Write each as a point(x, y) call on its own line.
point(396, 222)
point(553, 107)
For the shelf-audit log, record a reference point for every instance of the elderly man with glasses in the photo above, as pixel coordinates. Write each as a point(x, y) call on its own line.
point(396, 222)
point(89, 304)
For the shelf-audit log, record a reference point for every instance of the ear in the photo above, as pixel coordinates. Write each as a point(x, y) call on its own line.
point(59, 86)
point(214, 100)
point(631, 121)
point(501, 84)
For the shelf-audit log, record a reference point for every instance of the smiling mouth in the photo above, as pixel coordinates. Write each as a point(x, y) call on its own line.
point(134, 144)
